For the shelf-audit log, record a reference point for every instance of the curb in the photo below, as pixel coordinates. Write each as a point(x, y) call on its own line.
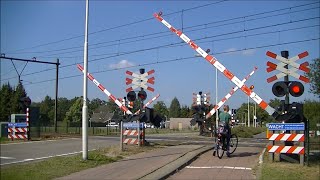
point(172, 167)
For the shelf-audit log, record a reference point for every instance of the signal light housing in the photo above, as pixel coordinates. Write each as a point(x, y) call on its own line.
point(296, 88)
point(142, 95)
point(280, 88)
point(131, 96)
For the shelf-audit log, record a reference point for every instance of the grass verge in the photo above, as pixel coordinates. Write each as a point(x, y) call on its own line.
point(290, 171)
point(62, 166)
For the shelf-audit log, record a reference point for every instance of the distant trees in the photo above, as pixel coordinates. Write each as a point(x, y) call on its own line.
point(161, 109)
point(314, 76)
point(10, 100)
point(175, 109)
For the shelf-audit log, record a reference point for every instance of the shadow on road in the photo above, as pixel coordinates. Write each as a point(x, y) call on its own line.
point(244, 154)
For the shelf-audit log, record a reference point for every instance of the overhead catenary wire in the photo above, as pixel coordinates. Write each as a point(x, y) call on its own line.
point(119, 26)
point(198, 26)
point(178, 59)
point(181, 43)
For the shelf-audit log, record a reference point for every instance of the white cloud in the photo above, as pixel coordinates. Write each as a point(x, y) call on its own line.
point(248, 52)
point(121, 64)
point(231, 51)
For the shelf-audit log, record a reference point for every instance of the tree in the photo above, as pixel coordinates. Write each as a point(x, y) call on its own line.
point(275, 103)
point(6, 93)
point(47, 111)
point(175, 109)
point(185, 112)
point(94, 104)
point(74, 113)
point(311, 112)
point(15, 99)
point(314, 76)
point(161, 109)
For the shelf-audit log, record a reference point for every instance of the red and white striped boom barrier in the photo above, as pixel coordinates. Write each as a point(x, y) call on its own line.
point(148, 103)
point(233, 90)
point(213, 61)
point(104, 90)
point(284, 71)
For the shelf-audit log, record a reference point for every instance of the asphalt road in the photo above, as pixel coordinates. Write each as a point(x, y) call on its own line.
point(13, 153)
point(24, 152)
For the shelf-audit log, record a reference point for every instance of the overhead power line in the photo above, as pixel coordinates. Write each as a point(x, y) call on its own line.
point(143, 37)
point(198, 39)
point(179, 59)
point(116, 27)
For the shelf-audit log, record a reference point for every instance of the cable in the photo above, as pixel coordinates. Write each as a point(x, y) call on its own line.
point(181, 43)
point(179, 59)
point(190, 27)
point(116, 27)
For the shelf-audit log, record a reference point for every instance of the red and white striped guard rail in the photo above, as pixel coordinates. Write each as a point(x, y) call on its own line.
point(148, 103)
point(103, 89)
point(18, 130)
point(233, 90)
point(212, 60)
point(286, 137)
point(286, 149)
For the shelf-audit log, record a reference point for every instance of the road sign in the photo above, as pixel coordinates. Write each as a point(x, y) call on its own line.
point(212, 60)
point(140, 80)
point(285, 126)
point(17, 124)
point(132, 125)
point(284, 71)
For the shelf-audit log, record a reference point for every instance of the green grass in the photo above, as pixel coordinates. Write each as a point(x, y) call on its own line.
point(62, 166)
point(290, 171)
point(247, 132)
point(55, 167)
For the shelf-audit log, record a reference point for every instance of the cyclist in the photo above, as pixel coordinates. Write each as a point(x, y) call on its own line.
point(225, 118)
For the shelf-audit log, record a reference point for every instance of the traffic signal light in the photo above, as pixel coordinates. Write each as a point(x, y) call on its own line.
point(295, 88)
point(131, 96)
point(142, 95)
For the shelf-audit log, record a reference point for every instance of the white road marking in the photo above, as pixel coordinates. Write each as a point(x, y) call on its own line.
point(2, 157)
point(37, 141)
point(40, 158)
point(217, 167)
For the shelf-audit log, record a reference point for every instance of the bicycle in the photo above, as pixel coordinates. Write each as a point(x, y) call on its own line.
point(221, 144)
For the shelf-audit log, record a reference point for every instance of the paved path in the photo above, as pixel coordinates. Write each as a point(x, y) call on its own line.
point(150, 165)
point(241, 165)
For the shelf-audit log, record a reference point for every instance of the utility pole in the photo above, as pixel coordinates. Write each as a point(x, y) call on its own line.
point(85, 87)
point(56, 101)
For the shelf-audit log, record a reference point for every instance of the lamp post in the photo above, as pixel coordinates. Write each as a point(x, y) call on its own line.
point(248, 112)
point(85, 87)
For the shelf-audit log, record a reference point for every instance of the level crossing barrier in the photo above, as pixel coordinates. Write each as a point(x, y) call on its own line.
point(278, 134)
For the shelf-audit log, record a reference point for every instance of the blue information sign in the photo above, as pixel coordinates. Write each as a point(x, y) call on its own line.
point(285, 126)
point(132, 125)
point(17, 124)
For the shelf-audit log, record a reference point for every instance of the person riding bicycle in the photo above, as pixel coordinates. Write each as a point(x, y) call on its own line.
point(225, 118)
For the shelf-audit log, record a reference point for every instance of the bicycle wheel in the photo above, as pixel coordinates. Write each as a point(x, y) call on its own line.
point(233, 143)
point(219, 150)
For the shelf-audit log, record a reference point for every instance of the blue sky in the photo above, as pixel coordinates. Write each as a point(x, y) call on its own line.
point(124, 33)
